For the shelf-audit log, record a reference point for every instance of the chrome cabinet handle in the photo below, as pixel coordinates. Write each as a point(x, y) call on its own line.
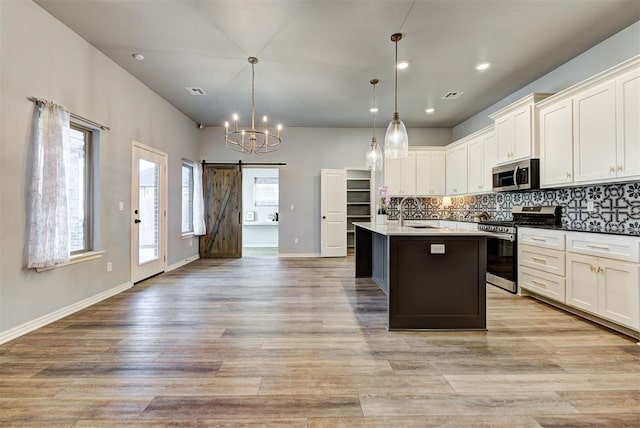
point(598, 247)
point(538, 259)
point(533, 238)
point(541, 284)
point(612, 169)
point(620, 168)
point(568, 175)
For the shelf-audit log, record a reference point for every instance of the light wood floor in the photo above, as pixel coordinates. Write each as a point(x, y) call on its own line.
point(301, 343)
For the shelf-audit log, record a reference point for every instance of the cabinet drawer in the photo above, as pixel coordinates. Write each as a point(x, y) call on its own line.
point(543, 259)
point(544, 238)
point(625, 248)
point(545, 284)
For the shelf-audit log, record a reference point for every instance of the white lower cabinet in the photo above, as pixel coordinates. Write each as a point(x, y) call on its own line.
point(541, 262)
point(605, 287)
point(598, 273)
point(545, 284)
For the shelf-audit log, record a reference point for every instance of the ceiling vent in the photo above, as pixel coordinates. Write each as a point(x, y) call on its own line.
point(453, 95)
point(195, 91)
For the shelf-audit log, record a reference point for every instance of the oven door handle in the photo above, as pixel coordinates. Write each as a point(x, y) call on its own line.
point(502, 236)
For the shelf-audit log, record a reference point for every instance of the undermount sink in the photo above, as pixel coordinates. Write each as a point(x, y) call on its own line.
point(422, 226)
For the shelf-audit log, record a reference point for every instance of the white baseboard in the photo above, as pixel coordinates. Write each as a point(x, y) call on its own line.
point(297, 255)
point(35, 324)
point(260, 245)
point(181, 263)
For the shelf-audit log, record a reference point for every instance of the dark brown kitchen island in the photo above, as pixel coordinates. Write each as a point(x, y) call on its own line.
point(434, 278)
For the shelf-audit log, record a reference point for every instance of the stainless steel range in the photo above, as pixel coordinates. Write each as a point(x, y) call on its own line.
point(502, 246)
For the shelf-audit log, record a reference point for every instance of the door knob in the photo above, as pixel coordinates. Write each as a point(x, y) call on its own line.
point(136, 221)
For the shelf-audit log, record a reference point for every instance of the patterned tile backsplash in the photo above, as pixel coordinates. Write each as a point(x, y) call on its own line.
point(616, 206)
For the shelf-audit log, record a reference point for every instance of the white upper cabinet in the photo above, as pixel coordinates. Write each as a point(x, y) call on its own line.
point(400, 175)
point(590, 132)
point(556, 143)
point(456, 166)
point(515, 128)
point(594, 132)
point(628, 114)
point(430, 173)
point(481, 157)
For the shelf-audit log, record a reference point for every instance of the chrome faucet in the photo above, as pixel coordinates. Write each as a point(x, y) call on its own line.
point(400, 219)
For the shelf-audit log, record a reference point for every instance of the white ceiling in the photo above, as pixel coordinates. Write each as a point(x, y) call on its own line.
point(317, 57)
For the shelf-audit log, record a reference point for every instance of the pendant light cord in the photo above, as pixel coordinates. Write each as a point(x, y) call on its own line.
point(374, 110)
point(395, 67)
point(253, 100)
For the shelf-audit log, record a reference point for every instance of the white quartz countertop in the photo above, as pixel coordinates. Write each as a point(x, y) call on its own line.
point(392, 229)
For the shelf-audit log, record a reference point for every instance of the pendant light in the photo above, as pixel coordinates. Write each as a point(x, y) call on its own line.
point(373, 157)
point(396, 140)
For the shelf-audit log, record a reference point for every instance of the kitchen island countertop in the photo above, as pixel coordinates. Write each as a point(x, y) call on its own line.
point(415, 229)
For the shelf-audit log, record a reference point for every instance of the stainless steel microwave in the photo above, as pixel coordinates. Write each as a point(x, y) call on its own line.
point(521, 175)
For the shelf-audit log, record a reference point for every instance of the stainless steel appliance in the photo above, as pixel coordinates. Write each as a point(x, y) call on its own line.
point(502, 245)
point(521, 175)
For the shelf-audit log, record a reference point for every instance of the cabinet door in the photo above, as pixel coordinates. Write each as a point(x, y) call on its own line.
point(522, 134)
point(556, 144)
point(393, 176)
point(456, 159)
point(437, 174)
point(594, 132)
point(628, 114)
point(409, 174)
point(504, 138)
point(582, 282)
point(475, 166)
point(490, 154)
point(618, 292)
point(430, 175)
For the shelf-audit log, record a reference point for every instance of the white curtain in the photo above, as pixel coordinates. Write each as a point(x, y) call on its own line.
point(49, 241)
point(199, 227)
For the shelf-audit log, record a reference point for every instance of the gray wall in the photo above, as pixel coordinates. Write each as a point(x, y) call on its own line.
point(614, 50)
point(306, 151)
point(43, 58)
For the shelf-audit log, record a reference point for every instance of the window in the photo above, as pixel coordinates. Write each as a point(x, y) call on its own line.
point(187, 198)
point(80, 189)
point(266, 191)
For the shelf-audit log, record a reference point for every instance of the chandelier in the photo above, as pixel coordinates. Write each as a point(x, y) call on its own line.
point(252, 140)
point(373, 156)
point(396, 140)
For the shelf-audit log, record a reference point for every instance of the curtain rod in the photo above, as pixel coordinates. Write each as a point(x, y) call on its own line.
point(240, 163)
point(73, 115)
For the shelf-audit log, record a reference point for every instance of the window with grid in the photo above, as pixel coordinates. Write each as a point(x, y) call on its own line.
point(80, 189)
point(187, 198)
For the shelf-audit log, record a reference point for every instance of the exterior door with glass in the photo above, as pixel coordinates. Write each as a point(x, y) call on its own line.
point(148, 212)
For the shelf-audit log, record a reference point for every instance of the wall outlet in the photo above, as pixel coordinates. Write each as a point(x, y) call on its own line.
point(121, 206)
point(109, 266)
point(295, 240)
point(590, 207)
point(293, 207)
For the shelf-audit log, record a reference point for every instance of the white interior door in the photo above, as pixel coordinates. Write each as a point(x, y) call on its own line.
point(333, 208)
point(148, 212)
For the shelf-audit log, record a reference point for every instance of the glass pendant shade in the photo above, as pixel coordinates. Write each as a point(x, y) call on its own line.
point(396, 140)
point(373, 157)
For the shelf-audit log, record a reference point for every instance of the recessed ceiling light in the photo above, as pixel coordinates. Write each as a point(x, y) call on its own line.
point(138, 56)
point(403, 65)
point(373, 109)
point(430, 110)
point(483, 66)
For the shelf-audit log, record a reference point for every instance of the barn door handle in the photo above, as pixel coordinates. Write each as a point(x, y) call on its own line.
point(136, 221)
